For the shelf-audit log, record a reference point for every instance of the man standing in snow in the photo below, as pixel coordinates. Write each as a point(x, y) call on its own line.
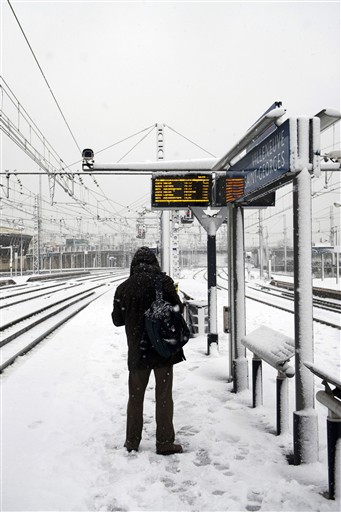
point(132, 298)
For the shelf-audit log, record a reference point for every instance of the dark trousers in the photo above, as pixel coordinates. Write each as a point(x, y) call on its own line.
point(138, 381)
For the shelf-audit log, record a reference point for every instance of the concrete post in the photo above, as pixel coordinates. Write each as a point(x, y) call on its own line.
point(305, 417)
point(239, 364)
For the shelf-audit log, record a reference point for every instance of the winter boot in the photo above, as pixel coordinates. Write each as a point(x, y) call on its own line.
point(131, 447)
point(168, 449)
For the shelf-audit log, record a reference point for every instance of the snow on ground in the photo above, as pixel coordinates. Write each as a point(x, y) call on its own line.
point(63, 427)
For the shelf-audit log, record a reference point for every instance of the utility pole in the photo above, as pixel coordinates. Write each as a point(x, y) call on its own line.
point(332, 230)
point(36, 236)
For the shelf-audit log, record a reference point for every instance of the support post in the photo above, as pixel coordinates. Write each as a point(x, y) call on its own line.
point(165, 242)
point(230, 287)
point(305, 417)
point(239, 364)
point(257, 382)
point(212, 336)
point(211, 221)
point(165, 215)
point(333, 438)
point(261, 269)
point(282, 404)
point(337, 267)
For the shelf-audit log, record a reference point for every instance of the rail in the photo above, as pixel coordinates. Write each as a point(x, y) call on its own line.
point(318, 291)
point(334, 308)
point(36, 325)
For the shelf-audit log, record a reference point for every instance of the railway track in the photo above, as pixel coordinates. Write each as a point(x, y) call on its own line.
point(332, 307)
point(317, 291)
point(16, 294)
point(335, 307)
point(24, 331)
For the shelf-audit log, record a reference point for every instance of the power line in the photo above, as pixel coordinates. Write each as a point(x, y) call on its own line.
point(126, 138)
point(189, 140)
point(130, 150)
point(42, 72)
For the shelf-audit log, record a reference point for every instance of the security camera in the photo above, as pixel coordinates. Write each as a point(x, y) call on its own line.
point(88, 154)
point(88, 158)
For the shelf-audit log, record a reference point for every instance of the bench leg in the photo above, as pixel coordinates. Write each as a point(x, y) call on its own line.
point(257, 382)
point(333, 436)
point(282, 404)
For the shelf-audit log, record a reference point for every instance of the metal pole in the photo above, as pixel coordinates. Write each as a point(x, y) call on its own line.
point(11, 260)
point(175, 244)
point(257, 382)
point(285, 242)
point(212, 336)
point(165, 242)
point(282, 403)
point(230, 227)
point(333, 438)
point(240, 365)
point(21, 253)
point(165, 215)
point(305, 417)
point(260, 244)
point(331, 235)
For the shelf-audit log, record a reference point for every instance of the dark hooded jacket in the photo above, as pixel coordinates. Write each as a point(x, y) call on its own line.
point(132, 298)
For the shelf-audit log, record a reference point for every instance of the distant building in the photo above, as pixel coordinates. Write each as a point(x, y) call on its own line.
point(14, 243)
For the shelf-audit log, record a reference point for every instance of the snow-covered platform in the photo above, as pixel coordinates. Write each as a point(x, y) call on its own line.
point(63, 427)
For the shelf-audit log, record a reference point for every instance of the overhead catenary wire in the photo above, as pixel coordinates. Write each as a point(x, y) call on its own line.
point(115, 143)
point(43, 74)
point(135, 145)
point(189, 140)
point(75, 207)
point(62, 181)
point(126, 138)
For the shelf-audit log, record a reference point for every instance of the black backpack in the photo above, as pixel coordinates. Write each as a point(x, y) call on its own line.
point(166, 329)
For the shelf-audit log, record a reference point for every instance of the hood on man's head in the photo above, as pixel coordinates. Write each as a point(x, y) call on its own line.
point(146, 256)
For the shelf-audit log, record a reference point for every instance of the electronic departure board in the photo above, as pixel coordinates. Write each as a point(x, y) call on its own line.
point(229, 188)
point(181, 190)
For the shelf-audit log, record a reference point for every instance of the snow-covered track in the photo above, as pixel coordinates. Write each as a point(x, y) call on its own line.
point(318, 291)
point(33, 314)
point(333, 309)
point(38, 289)
point(32, 293)
point(335, 306)
point(23, 333)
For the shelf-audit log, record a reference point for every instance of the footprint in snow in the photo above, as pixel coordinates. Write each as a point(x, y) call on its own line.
point(255, 499)
point(202, 458)
point(188, 430)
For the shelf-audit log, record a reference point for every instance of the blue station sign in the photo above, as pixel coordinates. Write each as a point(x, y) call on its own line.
point(267, 162)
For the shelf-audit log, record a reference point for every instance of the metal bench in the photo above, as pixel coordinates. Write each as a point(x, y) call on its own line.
point(330, 398)
point(276, 349)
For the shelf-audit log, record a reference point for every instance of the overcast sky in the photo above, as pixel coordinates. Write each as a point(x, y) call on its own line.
point(206, 69)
